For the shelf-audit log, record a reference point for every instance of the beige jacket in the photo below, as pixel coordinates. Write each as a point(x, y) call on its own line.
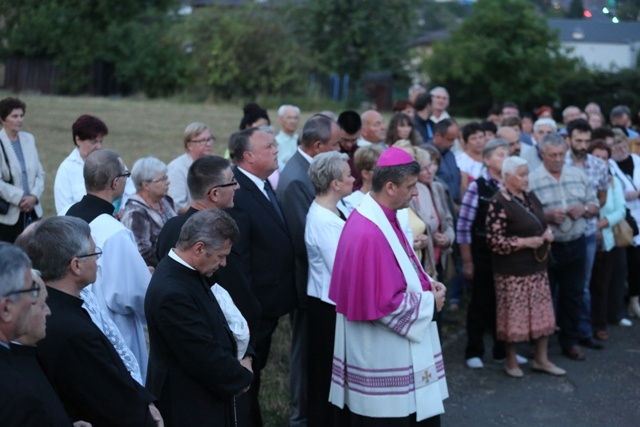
point(12, 193)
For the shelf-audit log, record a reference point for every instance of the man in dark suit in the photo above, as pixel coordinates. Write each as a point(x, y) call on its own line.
point(79, 360)
point(212, 185)
point(20, 405)
point(295, 194)
point(197, 364)
point(263, 254)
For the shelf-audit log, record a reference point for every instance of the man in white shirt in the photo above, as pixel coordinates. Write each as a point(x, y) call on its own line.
point(123, 276)
point(373, 129)
point(287, 138)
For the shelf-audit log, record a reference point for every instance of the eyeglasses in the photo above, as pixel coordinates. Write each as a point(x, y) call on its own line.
point(228, 184)
point(97, 254)
point(126, 174)
point(33, 291)
point(163, 179)
point(204, 140)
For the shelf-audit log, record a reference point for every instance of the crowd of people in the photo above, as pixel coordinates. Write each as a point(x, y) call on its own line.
point(152, 297)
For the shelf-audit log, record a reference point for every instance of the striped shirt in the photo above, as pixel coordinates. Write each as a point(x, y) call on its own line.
point(572, 188)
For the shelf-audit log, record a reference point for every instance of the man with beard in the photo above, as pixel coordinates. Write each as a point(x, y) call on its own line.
point(578, 138)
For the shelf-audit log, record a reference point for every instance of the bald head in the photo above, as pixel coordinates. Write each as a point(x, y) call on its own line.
point(512, 136)
point(570, 113)
point(373, 128)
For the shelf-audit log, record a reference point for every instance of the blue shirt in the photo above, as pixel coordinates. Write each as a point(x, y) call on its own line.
point(450, 174)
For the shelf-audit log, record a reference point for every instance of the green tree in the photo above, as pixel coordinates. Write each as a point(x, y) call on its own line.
point(79, 33)
point(629, 10)
point(503, 51)
point(244, 51)
point(355, 36)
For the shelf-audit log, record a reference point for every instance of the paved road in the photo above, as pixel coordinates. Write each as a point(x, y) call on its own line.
point(603, 391)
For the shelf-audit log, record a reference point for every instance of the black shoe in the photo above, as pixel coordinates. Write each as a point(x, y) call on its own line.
point(573, 353)
point(591, 343)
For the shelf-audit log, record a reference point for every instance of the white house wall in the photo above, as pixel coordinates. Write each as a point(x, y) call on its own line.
point(605, 56)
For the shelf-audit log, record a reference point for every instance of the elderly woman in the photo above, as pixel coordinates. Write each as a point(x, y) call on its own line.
point(626, 167)
point(519, 238)
point(198, 142)
point(476, 256)
point(22, 176)
point(415, 227)
point(146, 211)
point(332, 180)
point(431, 207)
point(88, 133)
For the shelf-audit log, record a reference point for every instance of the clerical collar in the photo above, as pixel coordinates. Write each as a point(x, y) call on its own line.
point(174, 256)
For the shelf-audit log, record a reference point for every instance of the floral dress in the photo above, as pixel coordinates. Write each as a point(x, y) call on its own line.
point(524, 308)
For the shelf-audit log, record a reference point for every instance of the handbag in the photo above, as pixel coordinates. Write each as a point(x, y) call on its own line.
point(4, 205)
point(625, 230)
point(623, 234)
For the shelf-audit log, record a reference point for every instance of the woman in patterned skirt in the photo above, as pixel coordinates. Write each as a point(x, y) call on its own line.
point(519, 238)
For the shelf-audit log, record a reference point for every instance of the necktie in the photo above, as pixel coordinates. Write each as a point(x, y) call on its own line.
point(272, 198)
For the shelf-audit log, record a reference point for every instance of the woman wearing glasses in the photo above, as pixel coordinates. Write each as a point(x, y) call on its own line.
point(146, 211)
point(198, 142)
point(21, 174)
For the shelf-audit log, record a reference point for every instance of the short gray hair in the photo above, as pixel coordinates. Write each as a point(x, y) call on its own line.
point(213, 227)
point(101, 167)
point(146, 169)
point(13, 263)
point(285, 107)
point(511, 165)
point(552, 139)
point(326, 167)
point(317, 128)
point(619, 111)
point(565, 112)
point(240, 143)
point(492, 146)
point(55, 242)
point(438, 89)
point(545, 121)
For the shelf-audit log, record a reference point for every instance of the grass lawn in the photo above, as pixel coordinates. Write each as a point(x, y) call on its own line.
point(139, 128)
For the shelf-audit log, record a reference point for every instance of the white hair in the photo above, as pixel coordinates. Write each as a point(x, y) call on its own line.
point(511, 165)
point(146, 169)
point(565, 112)
point(545, 121)
point(438, 89)
point(285, 107)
